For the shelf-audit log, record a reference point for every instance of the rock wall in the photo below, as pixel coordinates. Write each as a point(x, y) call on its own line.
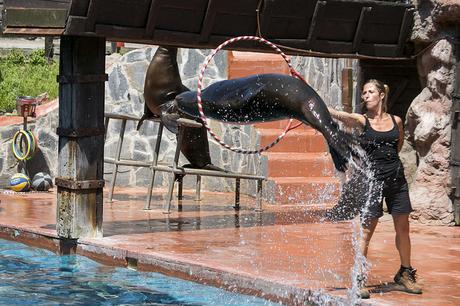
point(428, 121)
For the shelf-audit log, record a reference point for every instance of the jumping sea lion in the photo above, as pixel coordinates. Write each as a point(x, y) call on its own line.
point(162, 85)
point(268, 97)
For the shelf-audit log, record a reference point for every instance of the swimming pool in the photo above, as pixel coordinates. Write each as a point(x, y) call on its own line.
point(31, 276)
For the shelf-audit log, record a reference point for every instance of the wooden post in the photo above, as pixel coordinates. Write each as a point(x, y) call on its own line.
point(347, 89)
point(49, 48)
point(81, 137)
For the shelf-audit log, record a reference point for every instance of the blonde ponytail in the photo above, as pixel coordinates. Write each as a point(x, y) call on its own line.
point(386, 91)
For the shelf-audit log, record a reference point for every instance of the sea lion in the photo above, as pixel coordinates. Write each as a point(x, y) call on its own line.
point(162, 84)
point(268, 97)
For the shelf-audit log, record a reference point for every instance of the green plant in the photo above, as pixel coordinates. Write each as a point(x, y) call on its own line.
point(26, 75)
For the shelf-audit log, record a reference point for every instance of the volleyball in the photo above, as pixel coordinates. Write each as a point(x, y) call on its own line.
point(19, 182)
point(42, 181)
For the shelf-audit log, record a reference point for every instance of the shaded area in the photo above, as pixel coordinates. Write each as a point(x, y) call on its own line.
point(197, 222)
point(37, 163)
point(335, 27)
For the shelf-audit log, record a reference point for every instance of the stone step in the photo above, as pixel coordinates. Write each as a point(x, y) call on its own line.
point(300, 165)
point(306, 190)
point(298, 140)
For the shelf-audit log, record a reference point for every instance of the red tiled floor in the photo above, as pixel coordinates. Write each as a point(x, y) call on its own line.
point(281, 252)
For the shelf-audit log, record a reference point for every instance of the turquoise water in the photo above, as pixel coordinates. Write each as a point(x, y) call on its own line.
point(31, 276)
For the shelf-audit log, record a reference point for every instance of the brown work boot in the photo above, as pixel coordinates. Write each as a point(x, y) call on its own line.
point(406, 278)
point(363, 292)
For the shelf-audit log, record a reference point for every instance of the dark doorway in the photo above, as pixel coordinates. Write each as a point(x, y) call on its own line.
point(400, 76)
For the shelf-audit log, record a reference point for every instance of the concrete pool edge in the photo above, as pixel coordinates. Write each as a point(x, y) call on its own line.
point(202, 274)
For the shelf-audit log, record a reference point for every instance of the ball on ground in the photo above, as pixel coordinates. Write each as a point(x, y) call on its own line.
point(42, 181)
point(19, 182)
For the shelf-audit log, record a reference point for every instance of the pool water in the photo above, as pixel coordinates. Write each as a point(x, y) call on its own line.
point(31, 276)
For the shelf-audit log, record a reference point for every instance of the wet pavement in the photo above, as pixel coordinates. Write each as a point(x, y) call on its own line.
point(284, 253)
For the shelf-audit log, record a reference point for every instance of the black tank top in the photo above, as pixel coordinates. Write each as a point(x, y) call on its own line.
point(382, 150)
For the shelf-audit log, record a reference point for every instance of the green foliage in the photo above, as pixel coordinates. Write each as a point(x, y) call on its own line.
point(26, 75)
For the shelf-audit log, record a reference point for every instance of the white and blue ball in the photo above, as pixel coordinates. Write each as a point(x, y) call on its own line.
point(42, 181)
point(19, 182)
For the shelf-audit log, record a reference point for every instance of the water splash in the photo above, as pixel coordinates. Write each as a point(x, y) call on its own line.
point(361, 266)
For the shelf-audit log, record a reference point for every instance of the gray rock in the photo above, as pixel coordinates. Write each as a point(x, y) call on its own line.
point(142, 176)
point(117, 84)
point(135, 56)
point(141, 156)
point(47, 139)
point(135, 73)
point(190, 68)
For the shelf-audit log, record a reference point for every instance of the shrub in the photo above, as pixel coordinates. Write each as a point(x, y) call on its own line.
point(26, 75)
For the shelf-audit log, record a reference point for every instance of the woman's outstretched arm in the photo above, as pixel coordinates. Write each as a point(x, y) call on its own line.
point(350, 120)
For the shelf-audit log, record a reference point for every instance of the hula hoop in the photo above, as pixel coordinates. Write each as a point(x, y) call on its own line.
point(27, 137)
point(34, 141)
point(200, 81)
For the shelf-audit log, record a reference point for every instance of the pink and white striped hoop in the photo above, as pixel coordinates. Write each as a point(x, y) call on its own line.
point(200, 82)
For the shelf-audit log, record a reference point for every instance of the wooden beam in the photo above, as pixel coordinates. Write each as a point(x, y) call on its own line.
point(152, 18)
point(404, 30)
point(208, 21)
point(359, 28)
point(120, 33)
point(317, 16)
point(81, 155)
point(91, 16)
point(36, 17)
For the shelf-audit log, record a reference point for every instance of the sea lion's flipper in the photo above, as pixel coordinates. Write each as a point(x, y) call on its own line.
point(169, 116)
point(147, 115)
point(341, 148)
point(341, 144)
point(206, 167)
point(340, 162)
point(213, 167)
point(195, 145)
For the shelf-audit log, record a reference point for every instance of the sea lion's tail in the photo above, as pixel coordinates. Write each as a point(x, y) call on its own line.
point(340, 162)
point(342, 146)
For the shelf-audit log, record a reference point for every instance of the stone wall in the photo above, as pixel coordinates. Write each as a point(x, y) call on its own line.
point(428, 122)
point(124, 94)
point(325, 76)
